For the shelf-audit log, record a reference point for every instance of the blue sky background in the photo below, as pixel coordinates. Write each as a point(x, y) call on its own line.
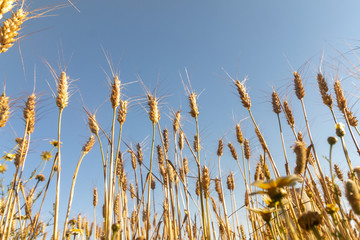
point(156, 40)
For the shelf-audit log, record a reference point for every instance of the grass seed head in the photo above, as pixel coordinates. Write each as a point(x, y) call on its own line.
point(289, 115)
point(196, 145)
point(247, 151)
point(205, 182)
point(29, 113)
point(244, 96)
point(181, 140)
point(160, 154)
point(276, 102)
point(309, 220)
point(9, 31)
point(115, 92)
point(194, 111)
point(220, 148)
point(122, 111)
point(4, 110)
point(62, 98)
point(95, 197)
point(340, 98)
point(299, 88)
point(154, 114)
point(186, 166)
point(338, 172)
point(231, 182)
point(93, 125)
point(323, 87)
point(89, 144)
point(239, 135)
point(233, 151)
point(139, 154)
point(176, 124)
point(166, 140)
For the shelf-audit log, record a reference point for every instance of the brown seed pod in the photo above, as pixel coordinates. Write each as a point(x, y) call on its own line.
point(95, 197)
point(115, 92)
point(122, 111)
point(166, 140)
point(230, 182)
point(29, 113)
point(239, 135)
point(247, 151)
point(300, 151)
point(220, 148)
point(323, 87)
point(89, 144)
point(233, 151)
point(288, 113)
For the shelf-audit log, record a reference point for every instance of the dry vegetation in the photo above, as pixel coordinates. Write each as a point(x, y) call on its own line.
point(307, 203)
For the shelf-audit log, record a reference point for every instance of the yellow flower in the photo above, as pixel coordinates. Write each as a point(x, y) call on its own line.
point(55, 143)
point(46, 155)
point(264, 213)
point(275, 187)
point(340, 129)
point(9, 156)
point(76, 231)
point(3, 168)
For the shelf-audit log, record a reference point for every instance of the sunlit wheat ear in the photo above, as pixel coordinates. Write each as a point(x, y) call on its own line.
point(220, 149)
point(233, 151)
point(338, 172)
point(4, 109)
point(115, 92)
point(244, 96)
point(176, 123)
point(95, 197)
point(353, 196)
point(194, 110)
point(166, 140)
point(21, 152)
point(230, 182)
point(218, 189)
point(247, 151)
point(89, 144)
point(62, 98)
point(93, 125)
point(29, 113)
point(299, 88)
point(352, 119)
point(139, 154)
point(205, 182)
point(323, 87)
point(300, 151)
point(154, 114)
point(133, 159)
point(197, 146)
point(186, 166)
point(181, 140)
point(239, 135)
point(122, 111)
point(340, 98)
point(289, 115)
point(160, 155)
point(9, 31)
point(276, 104)
point(6, 6)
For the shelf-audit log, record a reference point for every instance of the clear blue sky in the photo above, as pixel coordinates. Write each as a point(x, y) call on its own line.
point(156, 40)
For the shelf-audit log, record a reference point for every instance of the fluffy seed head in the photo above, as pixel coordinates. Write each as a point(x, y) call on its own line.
point(353, 196)
point(89, 144)
point(275, 102)
point(323, 87)
point(4, 109)
point(194, 111)
point(310, 219)
point(300, 151)
point(154, 114)
point(122, 111)
point(299, 88)
point(62, 98)
point(244, 96)
point(115, 92)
